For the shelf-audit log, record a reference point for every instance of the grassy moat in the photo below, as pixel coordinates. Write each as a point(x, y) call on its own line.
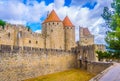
point(70, 75)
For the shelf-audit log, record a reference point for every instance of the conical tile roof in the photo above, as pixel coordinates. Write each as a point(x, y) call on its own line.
point(67, 22)
point(52, 17)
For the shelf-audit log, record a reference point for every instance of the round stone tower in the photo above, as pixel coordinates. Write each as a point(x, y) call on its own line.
point(69, 33)
point(53, 32)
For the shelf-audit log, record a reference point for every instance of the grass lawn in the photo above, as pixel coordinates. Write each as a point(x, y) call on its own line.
point(70, 75)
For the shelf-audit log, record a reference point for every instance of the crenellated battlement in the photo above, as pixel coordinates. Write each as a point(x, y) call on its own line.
point(16, 49)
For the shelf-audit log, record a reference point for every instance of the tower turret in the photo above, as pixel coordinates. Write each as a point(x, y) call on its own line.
point(69, 33)
point(53, 32)
point(86, 38)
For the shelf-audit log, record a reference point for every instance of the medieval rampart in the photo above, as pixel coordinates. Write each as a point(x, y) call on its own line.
point(19, 63)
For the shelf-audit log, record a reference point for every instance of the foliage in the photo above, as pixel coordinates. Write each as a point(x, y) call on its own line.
point(2, 23)
point(104, 55)
point(107, 16)
point(100, 55)
point(70, 75)
point(112, 20)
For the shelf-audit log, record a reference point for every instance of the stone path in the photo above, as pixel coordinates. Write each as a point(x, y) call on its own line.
point(113, 74)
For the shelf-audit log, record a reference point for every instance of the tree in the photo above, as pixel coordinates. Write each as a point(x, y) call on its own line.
point(104, 55)
point(2, 23)
point(107, 16)
point(112, 20)
point(100, 55)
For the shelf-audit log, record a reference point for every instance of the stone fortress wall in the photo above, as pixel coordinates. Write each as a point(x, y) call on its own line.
point(52, 33)
point(21, 59)
point(19, 35)
point(25, 54)
point(19, 63)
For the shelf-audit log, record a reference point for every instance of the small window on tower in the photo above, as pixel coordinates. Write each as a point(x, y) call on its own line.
point(36, 42)
point(20, 34)
point(53, 23)
point(9, 35)
point(29, 41)
point(51, 30)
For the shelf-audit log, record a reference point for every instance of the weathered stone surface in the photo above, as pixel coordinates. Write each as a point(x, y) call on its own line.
point(97, 67)
point(22, 65)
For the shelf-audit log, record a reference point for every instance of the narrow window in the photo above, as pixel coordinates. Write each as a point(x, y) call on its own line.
point(9, 35)
point(29, 41)
point(20, 34)
point(51, 30)
point(36, 42)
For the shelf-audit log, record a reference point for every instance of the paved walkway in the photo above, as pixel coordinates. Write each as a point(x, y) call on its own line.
point(113, 74)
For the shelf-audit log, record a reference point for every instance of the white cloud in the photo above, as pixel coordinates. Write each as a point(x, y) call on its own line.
point(18, 11)
point(59, 3)
point(38, 31)
point(16, 22)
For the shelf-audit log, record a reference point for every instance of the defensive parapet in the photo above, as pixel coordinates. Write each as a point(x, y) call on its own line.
point(19, 49)
point(20, 63)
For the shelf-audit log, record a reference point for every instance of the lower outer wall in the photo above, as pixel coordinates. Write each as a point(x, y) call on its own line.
point(20, 66)
point(97, 67)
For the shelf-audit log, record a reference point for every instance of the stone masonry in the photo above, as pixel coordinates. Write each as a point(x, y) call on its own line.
point(17, 64)
point(25, 54)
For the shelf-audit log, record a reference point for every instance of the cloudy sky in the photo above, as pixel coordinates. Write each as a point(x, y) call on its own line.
point(84, 13)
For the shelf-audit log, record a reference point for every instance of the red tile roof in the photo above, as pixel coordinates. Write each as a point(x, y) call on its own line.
point(52, 17)
point(86, 32)
point(67, 22)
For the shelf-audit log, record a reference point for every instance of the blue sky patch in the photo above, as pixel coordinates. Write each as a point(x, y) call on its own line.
point(90, 5)
point(34, 25)
point(67, 2)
